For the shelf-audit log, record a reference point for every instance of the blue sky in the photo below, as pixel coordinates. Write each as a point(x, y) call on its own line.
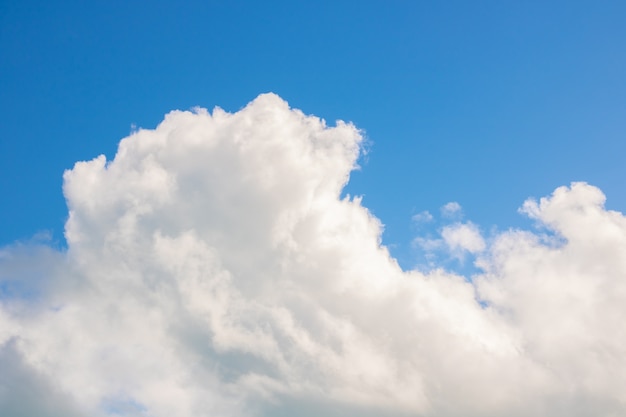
point(214, 265)
point(483, 103)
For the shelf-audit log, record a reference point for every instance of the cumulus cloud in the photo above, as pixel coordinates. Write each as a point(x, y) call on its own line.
point(213, 269)
point(464, 237)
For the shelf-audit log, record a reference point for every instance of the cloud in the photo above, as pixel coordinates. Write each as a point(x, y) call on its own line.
point(464, 237)
point(24, 392)
point(422, 217)
point(213, 268)
point(451, 209)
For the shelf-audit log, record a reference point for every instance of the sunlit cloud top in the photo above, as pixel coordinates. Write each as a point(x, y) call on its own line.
point(214, 267)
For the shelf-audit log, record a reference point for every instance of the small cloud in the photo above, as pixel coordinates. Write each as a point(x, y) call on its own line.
point(464, 237)
point(422, 217)
point(451, 209)
point(429, 245)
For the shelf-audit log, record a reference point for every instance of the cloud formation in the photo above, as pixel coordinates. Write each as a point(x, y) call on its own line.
point(214, 269)
point(422, 217)
point(463, 237)
point(451, 209)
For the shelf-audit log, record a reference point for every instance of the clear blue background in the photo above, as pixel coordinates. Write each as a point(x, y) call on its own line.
point(481, 102)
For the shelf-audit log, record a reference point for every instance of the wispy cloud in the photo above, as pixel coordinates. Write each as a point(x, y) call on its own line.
point(422, 217)
point(451, 209)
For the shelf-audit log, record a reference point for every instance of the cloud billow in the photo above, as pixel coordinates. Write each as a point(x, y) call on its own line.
point(213, 268)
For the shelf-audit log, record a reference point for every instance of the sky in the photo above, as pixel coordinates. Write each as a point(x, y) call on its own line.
point(339, 208)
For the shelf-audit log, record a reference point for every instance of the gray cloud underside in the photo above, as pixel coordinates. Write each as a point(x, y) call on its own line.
point(212, 269)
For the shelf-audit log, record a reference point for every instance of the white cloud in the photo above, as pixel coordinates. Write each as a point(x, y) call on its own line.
point(451, 209)
point(463, 236)
point(213, 269)
point(429, 244)
point(422, 217)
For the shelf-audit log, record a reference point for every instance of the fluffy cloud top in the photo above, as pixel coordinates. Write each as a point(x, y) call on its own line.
point(213, 269)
